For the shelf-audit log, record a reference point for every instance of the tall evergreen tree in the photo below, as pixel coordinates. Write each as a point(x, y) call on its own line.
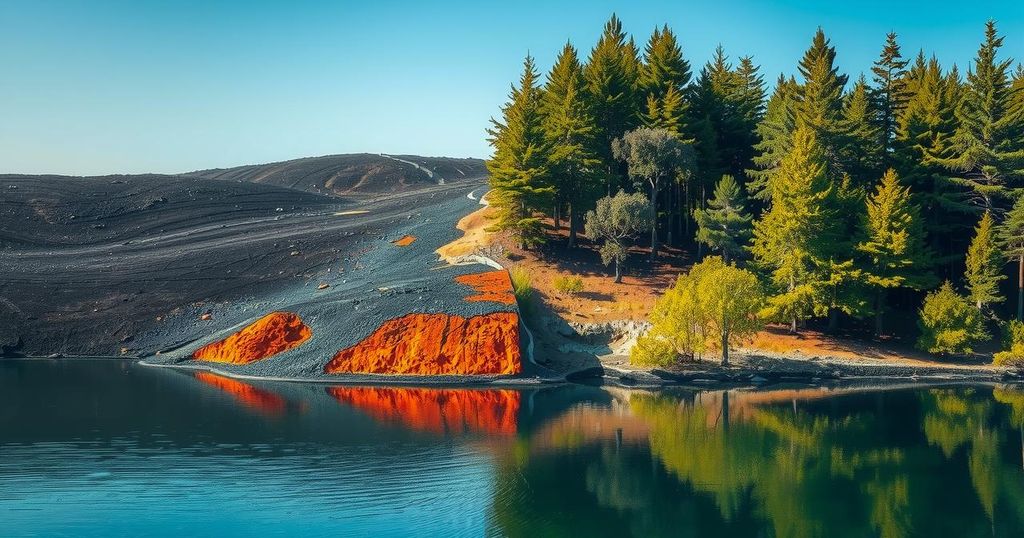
point(664, 75)
point(750, 104)
point(923, 133)
point(861, 150)
point(987, 151)
point(890, 94)
point(519, 178)
point(791, 240)
point(725, 225)
point(893, 243)
point(775, 134)
point(820, 99)
point(570, 133)
point(612, 75)
point(984, 265)
point(715, 118)
point(1011, 238)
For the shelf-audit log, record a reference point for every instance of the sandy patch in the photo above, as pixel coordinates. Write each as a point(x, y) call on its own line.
point(475, 235)
point(404, 241)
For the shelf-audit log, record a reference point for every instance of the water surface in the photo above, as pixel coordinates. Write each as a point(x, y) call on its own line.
point(110, 447)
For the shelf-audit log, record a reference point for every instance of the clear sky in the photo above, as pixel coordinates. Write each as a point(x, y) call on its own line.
point(98, 86)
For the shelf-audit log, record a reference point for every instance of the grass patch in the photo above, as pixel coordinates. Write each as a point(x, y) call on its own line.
point(569, 285)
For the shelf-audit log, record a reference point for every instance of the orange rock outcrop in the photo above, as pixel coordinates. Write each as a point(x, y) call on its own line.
point(267, 336)
point(261, 400)
point(494, 286)
point(436, 344)
point(404, 241)
point(436, 410)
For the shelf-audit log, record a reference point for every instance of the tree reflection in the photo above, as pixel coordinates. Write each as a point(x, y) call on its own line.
point(795, 463)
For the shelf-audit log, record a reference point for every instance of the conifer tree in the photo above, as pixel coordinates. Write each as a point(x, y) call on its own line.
point(1011, 238)
point(820, 99)
point(716, 118)
point(923, 133)
point(750, 104)
point(775, 132)
point(518, 168)
point(890, 94)
point(987, 151)
point(862, 150)
point(664, 75)
point(570, 133)
point(612, 75)
point(725, 225)
point(791, 240)
point(893, 243)
point(984, 265)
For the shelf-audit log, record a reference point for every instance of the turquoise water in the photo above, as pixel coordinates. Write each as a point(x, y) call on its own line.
point(98, 448)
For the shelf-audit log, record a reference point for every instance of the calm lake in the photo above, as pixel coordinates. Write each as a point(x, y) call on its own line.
point(107, 447)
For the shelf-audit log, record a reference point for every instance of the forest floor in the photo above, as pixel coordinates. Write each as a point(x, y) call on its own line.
point(591, 331)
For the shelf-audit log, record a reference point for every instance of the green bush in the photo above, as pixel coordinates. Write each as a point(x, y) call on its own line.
point(1014, 334)
point(949, 324)
point(651, 350)
point(1014, 342)
point(522, 285)
point(570, 285)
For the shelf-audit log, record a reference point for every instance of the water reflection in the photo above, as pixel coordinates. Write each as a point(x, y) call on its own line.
point(443, 411)
point(132, 450)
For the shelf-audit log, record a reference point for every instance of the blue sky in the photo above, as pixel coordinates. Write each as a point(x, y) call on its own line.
point(92, 87)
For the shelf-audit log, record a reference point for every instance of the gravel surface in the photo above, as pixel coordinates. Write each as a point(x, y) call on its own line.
point(130, 265)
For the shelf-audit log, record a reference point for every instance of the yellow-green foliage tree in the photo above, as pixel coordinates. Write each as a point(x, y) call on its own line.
point(793, 238)
point(949, 324)
point(714, 304)
point(984, 265)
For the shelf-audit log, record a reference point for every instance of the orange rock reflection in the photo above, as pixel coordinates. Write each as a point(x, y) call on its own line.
point(436, 344)
point(261, 400)
point(436, 410)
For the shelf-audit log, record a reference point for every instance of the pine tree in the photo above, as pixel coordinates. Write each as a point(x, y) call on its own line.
point(984, 265)
point(923, 133)
point(987, 151)
point(570, 133)
point(791, 240)
point(1011, 238)
point(518, 168)
point(820, 99)
point(612, 75)
point(862, 150)
point(775, 132)
point(664, 75)
point(715, 118)
point(725, 226)
point(750, 107)
point(894, 243)
point(890, 94)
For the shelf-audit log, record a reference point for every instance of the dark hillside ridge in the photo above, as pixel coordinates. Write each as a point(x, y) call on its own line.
point(353, 174)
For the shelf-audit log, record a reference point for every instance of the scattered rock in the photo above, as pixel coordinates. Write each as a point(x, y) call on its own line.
point(206, 317)
point(55, 355)
point(323, 286)
point(294, 253)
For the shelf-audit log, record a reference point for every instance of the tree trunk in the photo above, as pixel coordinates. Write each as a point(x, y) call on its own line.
point(833, 320)
point(725, 348)
point(671, 218)
point(792, 323)
point(618, 272)
point(654, 220)
point(556, 215)
point(573, 225)
point(879, 303)
point(1020, 288)
point(687, 212)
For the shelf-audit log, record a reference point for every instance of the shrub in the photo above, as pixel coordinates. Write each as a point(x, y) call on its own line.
point(949, 324)
point(1014, 342)
point(522, 285)
point(653, 350)
point(570, 285)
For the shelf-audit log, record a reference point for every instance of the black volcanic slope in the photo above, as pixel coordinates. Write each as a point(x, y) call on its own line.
point(361, 173)
point(129, 264)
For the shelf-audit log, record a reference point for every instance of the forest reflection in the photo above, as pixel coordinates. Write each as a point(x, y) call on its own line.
point(810, 462)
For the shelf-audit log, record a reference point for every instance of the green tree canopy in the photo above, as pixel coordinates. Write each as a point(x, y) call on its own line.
point(615, 219)
point(725, 225)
